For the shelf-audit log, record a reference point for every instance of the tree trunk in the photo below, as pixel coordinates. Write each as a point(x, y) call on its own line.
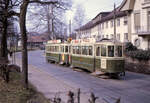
point(4, 51)
point(23, 11)
point(4, 39)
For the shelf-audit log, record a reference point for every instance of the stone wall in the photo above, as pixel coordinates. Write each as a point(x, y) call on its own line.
point(135, 65)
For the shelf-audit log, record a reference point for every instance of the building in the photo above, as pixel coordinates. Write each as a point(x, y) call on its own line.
point(132, 24)
point(36, 40)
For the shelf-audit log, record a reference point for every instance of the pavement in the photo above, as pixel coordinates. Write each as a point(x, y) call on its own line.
point(54, 80)
point(50, 86)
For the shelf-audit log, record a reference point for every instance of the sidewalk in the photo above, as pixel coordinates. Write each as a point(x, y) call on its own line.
point(51, 86)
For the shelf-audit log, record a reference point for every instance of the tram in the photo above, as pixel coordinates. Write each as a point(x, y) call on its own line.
point(105, 56)
point(52, 51)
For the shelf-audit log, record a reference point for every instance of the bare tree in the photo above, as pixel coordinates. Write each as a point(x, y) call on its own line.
point(6, 19)
point(7, 8)
point(49, 19)
point(23, 12)
point(79, 17)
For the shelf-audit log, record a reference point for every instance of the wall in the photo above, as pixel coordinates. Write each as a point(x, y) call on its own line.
point(135, 65)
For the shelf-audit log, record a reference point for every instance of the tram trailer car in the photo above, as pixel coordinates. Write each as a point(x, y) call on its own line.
point(53, 51)
point(105, 56)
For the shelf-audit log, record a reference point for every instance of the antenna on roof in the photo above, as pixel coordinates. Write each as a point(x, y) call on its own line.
point(114, 22)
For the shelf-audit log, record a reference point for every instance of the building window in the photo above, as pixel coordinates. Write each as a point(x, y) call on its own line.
point(99, 26)
point(118, 22)
point(102, 25)
point(112, 23)
point(107, 36)
point(107, 24)
point(102, 36)
point(125, 20)
point(112, 36)
point(118, 37)
point(126, 37)
point(148, 21)
point(137, 21)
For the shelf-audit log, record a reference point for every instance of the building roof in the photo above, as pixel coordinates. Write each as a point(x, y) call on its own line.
point(105, 16)
point(37, 38)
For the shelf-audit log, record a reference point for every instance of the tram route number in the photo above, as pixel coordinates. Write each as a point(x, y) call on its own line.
point(103, 63)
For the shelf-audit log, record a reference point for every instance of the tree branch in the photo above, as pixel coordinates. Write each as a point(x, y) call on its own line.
point(13, 13)
point(44, 2)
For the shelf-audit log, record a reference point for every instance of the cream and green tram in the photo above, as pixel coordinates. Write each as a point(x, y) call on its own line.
point(65, 53)
point(105, 56)
point(83, 56)
point(109, 57)
point(52, 51)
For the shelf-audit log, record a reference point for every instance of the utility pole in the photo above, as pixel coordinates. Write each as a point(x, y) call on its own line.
point(114, 22)
point(70, 28)
point(52, 22)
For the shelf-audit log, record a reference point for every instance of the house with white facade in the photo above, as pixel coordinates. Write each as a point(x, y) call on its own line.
point(132, 22)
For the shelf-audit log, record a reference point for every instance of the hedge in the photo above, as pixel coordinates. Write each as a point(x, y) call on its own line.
point(133, 52)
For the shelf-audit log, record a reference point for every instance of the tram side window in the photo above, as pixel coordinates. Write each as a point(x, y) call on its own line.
point(98, 51)
point(118, 51)
point(87, 50)
point(84, 50)
point(90, 50)
point(110, 51)
point(103, 50)
point(78, 49)
point(62, 48)
point(73, 49)
point(57, 49)
point(66, 49)
point(53, 48)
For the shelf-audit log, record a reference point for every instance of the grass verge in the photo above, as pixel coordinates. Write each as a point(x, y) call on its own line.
point(14, 92)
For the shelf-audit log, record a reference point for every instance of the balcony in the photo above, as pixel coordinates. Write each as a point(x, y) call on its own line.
point(142, 30)
point(146, 3)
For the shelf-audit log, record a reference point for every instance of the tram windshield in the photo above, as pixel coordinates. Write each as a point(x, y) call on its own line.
point(103, 50)
point(118, 51)
point(66, 49)
point(98, 51)
point(110, 51)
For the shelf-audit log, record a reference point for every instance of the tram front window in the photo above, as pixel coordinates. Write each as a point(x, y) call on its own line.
point(103, 50)
point(110, 51)
point(90, 50)
point(98, 51)
point(66, 49)
point(118, 51)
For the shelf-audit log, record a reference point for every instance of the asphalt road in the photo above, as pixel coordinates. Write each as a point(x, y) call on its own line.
point(135, 88)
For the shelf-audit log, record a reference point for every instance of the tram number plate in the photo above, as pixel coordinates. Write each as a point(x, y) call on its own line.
point(103, 63)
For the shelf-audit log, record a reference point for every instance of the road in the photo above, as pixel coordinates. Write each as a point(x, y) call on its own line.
point(135, 88)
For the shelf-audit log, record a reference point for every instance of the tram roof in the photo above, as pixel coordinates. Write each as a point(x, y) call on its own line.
point(108, 41)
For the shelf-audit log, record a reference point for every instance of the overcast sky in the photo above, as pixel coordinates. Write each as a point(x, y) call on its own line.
point(93, 7)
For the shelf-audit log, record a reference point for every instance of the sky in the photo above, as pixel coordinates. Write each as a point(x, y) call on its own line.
point(93, 7)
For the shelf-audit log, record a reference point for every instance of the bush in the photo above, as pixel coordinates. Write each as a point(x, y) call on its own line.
point(133, 52)
point(130, 47)
point(139, 54)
